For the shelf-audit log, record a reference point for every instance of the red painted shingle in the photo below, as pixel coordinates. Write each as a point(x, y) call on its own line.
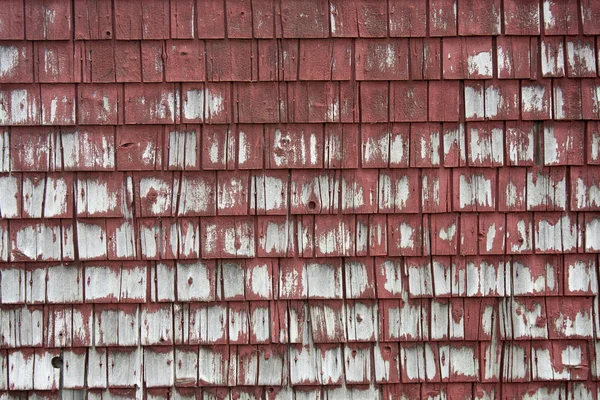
point(283, 199)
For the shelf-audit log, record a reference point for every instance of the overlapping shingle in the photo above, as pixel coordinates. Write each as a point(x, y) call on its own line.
point(299, 199)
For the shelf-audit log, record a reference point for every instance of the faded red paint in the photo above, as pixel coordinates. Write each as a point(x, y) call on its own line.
point(300, 199)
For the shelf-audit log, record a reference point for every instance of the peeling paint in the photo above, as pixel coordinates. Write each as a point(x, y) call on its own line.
point(587, 196)
point(309, 255)
point(580, 326)
point(581, 56)
point(474, 102)
point(9, 201)
point(9, 59)
point(23, 107)
point(487, 146)
point(202, 104)
point(480, 64)
point(560, 236)
point(543, 190)
point(532, 99)
point(553, 58)
point(476, 191)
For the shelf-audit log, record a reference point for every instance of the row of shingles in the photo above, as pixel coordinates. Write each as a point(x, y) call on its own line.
point(482, 391)
point(312, 365)
point(153, 240)
point(226, 193)
point(235, 237)
point(347, 147)
point(455, 319)
point(458, 391)
point(213, 367)
point(294, 279)
point(291, 59)
point(297, 102)
point(223, 147)
point(263, 322)
point(316, 18)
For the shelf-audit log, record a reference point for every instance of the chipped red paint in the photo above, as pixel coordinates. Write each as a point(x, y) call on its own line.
point(283, 199)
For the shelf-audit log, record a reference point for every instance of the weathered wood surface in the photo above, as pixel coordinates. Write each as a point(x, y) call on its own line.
point(283, 199)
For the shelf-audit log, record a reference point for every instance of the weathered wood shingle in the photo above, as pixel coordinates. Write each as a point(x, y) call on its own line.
point(299, 199)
